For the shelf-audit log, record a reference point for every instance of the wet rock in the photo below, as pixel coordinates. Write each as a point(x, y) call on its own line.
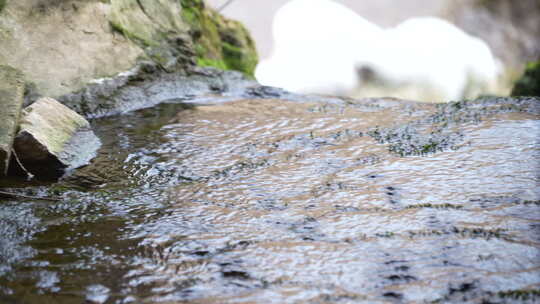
point(11, 100)
point(265, 92)
point(147, 85)
point(52, 138)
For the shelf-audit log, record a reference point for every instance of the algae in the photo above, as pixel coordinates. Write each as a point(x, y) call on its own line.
point(172, 32)
point(520, 294)
point(219, 42)
point(529, 84)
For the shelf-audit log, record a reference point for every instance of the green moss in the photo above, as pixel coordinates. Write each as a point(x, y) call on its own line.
point(191, 12)
point(205, 62)
point(200, 32)
point(240, 59)
point(219, 42)
point(2, 4)
point(529, 84)
point(133, 36)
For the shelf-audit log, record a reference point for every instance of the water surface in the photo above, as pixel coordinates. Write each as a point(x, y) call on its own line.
point(275, 201)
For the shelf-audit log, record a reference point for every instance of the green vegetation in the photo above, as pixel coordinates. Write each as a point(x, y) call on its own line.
point(2, 4)
point(185, 32)
point(219, 42)
point(206, 62)
point(529, 84)
point(537, 202)
point(133, 36)
point(520, 294)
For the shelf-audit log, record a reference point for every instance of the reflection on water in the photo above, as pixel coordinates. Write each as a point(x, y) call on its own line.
point(271, 201)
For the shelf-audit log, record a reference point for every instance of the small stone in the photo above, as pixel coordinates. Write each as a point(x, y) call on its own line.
point(11, 100)
point(52, 139)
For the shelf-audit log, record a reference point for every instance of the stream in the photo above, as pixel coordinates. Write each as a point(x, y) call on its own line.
point(267, 200)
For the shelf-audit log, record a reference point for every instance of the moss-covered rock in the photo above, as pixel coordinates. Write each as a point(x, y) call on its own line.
point(156, 26)
point(70, 43)
point(185, 31)
point(529, 84)
point(219, 42)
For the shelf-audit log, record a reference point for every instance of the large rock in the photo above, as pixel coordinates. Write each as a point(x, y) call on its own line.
point(11, 99)
point(53, 138)
point(144, 86)
point(91, 39)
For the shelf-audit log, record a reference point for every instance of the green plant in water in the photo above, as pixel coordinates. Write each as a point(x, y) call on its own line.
point(520, 294)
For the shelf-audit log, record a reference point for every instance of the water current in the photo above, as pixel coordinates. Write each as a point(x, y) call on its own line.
point(277, 201)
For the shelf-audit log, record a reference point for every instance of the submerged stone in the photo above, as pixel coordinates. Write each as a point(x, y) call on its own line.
point(52, 138)
point(11, 100)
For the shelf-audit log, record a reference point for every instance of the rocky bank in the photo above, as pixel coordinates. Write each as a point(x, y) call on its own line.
point(62, 45)
point(109, 57)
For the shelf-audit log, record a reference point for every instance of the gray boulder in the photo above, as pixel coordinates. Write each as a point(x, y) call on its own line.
point(52, 139)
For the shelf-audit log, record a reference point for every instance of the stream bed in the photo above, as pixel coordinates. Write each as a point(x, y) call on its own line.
point(278, 201)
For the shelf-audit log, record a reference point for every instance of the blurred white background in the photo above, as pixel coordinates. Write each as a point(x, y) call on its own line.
point(469, 47)
point(257, 15)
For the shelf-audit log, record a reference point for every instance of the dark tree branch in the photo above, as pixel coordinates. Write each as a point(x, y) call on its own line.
point(224, 6)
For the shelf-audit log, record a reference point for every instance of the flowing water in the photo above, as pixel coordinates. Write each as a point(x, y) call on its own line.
point(276, 201)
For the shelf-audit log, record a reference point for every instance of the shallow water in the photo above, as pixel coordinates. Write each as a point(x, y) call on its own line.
point(274, 201)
